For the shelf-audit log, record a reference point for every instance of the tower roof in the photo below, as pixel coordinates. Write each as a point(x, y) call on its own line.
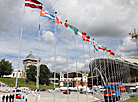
point(30, 56)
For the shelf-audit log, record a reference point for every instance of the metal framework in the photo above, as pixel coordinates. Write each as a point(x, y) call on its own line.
point(114, 69)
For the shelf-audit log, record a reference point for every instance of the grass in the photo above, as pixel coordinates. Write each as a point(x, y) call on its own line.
point(133, 99)
point(22, 83)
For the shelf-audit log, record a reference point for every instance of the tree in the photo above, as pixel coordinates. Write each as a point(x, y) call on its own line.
point(31, 72)
point(5, 68)
point(44, 75)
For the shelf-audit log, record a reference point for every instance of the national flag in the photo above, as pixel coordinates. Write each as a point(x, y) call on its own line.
point(88, 37)
point(72, 28)
point(95, 47)
point(57, 20)
point(44, 13)
point(83, 35)
point(112, 53)
point(65, 24)
point(101, 46)
point(33, 4)
point(108, 50)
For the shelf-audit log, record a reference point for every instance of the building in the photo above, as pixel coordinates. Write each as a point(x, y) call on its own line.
point(114, 69)
point(13, 75)
point(73, 77)
point(29, 60)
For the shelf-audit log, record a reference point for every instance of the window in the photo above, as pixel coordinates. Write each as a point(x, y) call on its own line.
point(13, 74)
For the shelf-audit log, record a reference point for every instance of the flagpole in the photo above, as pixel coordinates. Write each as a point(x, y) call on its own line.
point(55, 56)
point(85, 71)
point(67, 62)
point(37, 79)
point(19, 52)
point(76, 69)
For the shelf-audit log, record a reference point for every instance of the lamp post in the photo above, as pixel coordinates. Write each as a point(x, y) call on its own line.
point(134, 35)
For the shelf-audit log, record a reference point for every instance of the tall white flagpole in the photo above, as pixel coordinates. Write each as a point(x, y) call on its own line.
point(55, 56)
point(76, 69)
point(67, 62)
point(19, 52)
point(37, 79)
point(85, 72)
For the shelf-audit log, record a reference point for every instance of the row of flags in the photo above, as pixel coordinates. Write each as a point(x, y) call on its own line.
point(44, 13)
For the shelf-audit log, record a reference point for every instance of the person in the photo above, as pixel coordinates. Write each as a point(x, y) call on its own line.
point(26, 98)
point(39, 96)
point(10, 98)
point(3, 97)
point(7, 98)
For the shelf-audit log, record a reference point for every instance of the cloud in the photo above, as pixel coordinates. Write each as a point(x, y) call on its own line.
point(108, 22)
point(61, 64)
point(48, 37)
point(128, 47)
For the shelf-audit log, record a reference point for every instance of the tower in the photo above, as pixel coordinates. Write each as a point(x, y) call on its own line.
point(29, 60)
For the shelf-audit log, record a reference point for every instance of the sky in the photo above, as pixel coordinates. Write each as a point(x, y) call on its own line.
point(107, 21)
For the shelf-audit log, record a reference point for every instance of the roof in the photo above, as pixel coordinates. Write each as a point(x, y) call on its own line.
point(30, 56)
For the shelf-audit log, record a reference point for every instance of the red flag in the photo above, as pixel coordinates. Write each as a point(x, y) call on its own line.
point(34, 1)
point(61, 23)
point(87, 40)
point(33, 4)
point(88, 37)
point(66, 25)
point(84, 39)
point(83, 34)
point(42, 12)
point(57, 20)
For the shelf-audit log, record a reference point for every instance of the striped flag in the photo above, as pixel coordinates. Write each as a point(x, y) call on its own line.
point(33, 4)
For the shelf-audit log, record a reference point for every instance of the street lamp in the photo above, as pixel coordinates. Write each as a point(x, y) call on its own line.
point(134, 35)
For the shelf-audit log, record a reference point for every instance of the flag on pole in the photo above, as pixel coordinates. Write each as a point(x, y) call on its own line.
point(108, 51)
point(112, 53)
point(44, 13)
point(95, 47)
point(33, 4)
point(102, 47)
point(65, 24)
point(72, 28)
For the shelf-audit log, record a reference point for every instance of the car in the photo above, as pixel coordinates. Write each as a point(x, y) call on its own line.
point(17, 90)
point(19, 96)
point(25, 90)
point(43, 90)
point(5, 91)
point(66, 92)
point(50, 90)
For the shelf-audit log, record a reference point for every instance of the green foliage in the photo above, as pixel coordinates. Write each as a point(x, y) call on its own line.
point(22, 83)
point(133, 99)
point(27, 81)
point(89, 74)
point(44, 75)
point(31, 72)
point(5, 68)
point(57, 75)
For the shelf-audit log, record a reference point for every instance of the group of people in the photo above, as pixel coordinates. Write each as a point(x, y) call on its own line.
point(10, 98)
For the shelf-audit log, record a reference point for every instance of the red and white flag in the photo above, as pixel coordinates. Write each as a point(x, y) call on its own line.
point(33, 4)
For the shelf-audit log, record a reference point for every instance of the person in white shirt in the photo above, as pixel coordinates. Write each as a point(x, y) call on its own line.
point(26, 98)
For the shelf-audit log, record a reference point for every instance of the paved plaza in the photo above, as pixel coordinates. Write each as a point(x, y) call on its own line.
point(59, 97)
point(45, 96)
